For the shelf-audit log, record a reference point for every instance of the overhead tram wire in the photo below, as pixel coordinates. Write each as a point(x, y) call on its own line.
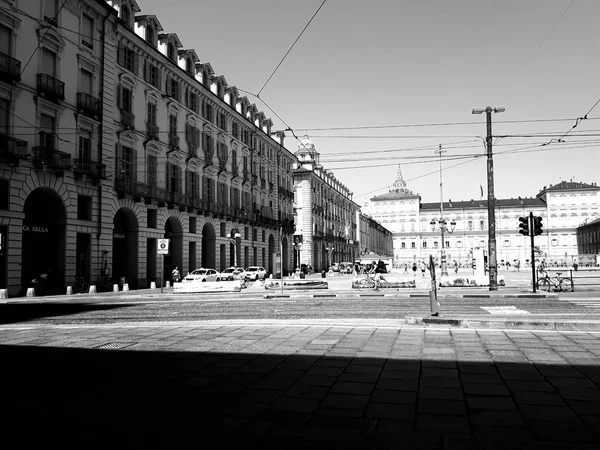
point(577, 122)
point(290, 49)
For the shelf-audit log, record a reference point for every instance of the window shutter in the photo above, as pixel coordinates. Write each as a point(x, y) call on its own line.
point(134, 164)
point(159, 77)
point(146, 70)
point(180, 188)
point(136, 62)
point(121, 54)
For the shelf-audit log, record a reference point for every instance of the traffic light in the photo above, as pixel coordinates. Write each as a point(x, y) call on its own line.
point(537, 226)
point(524, 226)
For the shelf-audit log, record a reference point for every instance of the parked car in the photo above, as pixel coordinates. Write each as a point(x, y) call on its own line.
point(232, 273)
point(202, 275)
point(255, 273)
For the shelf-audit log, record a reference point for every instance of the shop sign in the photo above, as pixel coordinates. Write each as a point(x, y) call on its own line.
point(35, 229)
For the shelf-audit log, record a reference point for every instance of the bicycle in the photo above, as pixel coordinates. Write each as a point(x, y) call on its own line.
point(81, 286)
point(369, 282)
point(558, 283)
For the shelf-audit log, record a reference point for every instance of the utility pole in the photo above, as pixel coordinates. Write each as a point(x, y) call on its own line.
point(492, 255)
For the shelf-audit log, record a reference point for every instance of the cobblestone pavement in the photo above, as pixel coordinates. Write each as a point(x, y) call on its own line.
point(285, 384)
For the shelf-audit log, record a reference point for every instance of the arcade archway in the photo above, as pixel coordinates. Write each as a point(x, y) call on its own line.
point(43, 237)
point(125, 248)
point(209, 242)
point(174, 232)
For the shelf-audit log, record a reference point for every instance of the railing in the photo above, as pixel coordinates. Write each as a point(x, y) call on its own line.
point(12, 146)
point(10, 68)
point(49, 87)
point(89, 167)
point(127, 119)
point(48, 157)
point(589, 277)
point(88, 105)
point(152, 131)
point(132, 187)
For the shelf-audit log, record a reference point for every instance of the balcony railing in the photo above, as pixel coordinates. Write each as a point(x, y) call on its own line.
point(127, 119)
point(49, 87)
point(44, 156)
point(89, 106)
point(152, 131)
point(90, 168)
point(12, 149)
point(10, 69)
point(129, 186)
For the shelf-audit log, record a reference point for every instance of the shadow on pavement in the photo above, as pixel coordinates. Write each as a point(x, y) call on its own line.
point(150, 399)
point(23, 312)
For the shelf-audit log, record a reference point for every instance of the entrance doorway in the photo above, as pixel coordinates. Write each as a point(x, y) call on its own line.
point(125, 248)
point(174, 232)
point(209, 242)
point(44, 242)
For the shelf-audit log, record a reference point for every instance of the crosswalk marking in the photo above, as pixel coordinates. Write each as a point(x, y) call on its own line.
point(585, 302)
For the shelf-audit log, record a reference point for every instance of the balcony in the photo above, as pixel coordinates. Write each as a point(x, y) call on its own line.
point(132, 187)
point(87, 167)
point(12, 149)
point(88, 106)
point(48, 157)
point(50, 87)
point(152, 131)
point(127, 119)
point(10, 69)
point(173, 140)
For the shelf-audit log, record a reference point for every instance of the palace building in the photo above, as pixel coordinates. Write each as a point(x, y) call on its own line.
point(563, 207)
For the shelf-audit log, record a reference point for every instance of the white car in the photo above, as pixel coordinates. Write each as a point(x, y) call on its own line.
point(202, 275)
point(255, 273)
point(232, 273)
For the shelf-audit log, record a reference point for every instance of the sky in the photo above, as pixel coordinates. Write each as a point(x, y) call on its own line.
point(381, 83)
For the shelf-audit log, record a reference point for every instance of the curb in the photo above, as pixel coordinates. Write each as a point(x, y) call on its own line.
point(403, 295)
point(574, 325)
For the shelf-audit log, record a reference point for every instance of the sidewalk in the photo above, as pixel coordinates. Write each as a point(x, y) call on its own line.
point(285, 385)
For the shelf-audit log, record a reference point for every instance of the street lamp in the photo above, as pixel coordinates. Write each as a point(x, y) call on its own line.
point(233, 236)
point(444, 229)
point(493, 265)
point(329, 249)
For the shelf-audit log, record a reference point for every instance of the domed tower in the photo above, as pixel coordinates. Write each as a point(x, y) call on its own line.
point(306, 152)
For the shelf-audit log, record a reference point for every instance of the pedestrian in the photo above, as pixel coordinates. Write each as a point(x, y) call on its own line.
point(175, 275)
point(414, 269)
point(405, 268)
point(507, 265)
point(575, 266)
point(455, 267)
point(518, 265)
point(423, 267)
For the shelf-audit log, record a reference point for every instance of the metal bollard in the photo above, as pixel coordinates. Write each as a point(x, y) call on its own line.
point(125, 287)
point(115, 287)
point(3, 293)
point(92, 289)
point(153, 285)
point(30, 292)
point(69, 290)
point(168, 284)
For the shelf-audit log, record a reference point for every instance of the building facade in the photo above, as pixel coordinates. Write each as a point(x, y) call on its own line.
point(562, 208)
point(113, 136)
point(326, 215)
point(588, 243)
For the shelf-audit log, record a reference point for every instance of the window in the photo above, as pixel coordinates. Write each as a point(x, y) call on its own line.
point(152, 75)
point(48, 62)
point(173, 183)
point(458, 244)
point(413, 245)
point(470, 224)
point(128, 59)
point(435, 244)
point(189, 66)
point(152, 114)
point(482, 224)
point(5, 40)
point(223, 229)
point(150, 34)
point(221, 121)
point(126, 100)
point(151, 170)
point(171, 51)
point(87, 31)
point(125, 163)
point(4, 194)
point(84, 207)
point(235, 130)
point(193, 224)
point(246, 233)
point(152, 216)
point(554, 242)
point(506, 242)
point(4, 115)
point(403, 245)
point(193, 102)
point(85, 81)
point(85, 145)
point(47, 127)
point(174, 88)
point(50, 10)
point(447, 244)
point(424, 244)
point(126, 15)
point(208, 112)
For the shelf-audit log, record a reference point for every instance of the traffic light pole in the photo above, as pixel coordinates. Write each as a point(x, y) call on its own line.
point(532, 234)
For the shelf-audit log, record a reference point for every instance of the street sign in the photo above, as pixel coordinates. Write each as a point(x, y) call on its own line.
point(163, 247)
